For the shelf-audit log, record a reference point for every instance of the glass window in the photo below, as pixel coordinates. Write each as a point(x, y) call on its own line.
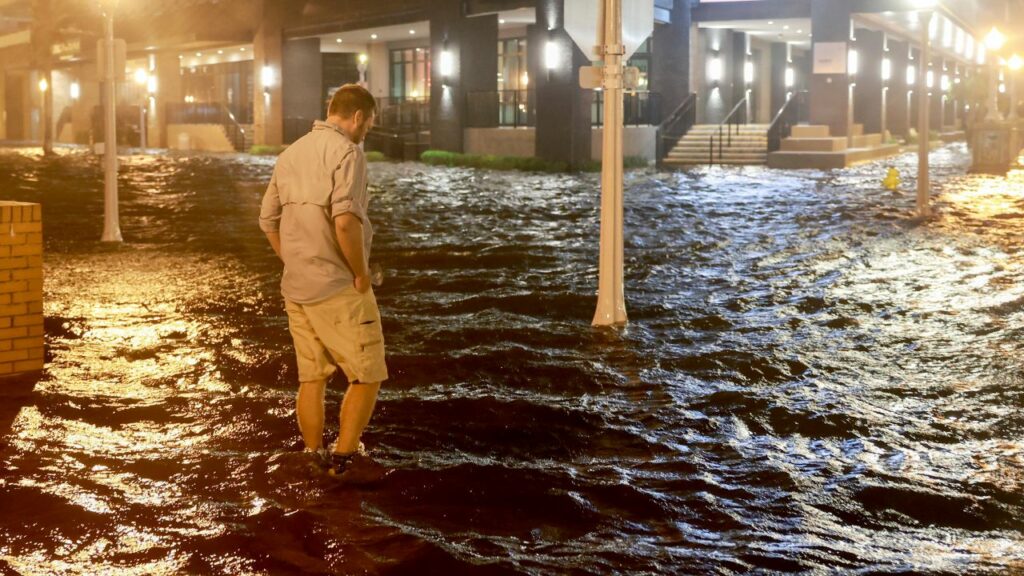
point(410, 73)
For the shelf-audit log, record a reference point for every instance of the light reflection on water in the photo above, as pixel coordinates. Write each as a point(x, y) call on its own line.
point(811, 379)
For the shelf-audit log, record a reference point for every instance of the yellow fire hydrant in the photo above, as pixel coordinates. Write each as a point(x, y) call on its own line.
point(892, 179)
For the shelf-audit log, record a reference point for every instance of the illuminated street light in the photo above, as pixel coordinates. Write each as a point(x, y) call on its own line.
point(995, 40)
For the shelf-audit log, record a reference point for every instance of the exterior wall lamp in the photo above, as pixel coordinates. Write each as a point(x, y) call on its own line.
point(446, 64)
point(715, 70)
point(551, 55)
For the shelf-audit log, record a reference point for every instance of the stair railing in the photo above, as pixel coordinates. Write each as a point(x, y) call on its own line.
point(787, 117)
point(672, 130)
point(737, 117)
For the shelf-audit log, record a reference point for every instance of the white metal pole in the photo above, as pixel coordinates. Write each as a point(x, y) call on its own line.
point(611, 306)
point(923, 116)
point(111, 225)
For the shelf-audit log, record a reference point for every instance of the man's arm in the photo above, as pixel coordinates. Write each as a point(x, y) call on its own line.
point(270, 215)
point(349, 230)
point(275, 242)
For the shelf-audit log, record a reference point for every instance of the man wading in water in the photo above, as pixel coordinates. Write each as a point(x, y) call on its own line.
point(314, 215)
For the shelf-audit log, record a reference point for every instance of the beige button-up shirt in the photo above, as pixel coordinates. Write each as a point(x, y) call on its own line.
point(318, 178)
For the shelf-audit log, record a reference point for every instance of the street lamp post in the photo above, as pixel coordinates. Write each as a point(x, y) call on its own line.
point(994, 41)
point(1014, 64)
point(111, 219)
point(923, 118)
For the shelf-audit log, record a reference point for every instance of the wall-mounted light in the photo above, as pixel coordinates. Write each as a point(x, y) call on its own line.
point(267, 77)
point(886, 69)
point(43, 85)
point(911, 75)
point(715, 70)
point(551, 55)
point(76, 91)
point(748, 72)
point(447, 65)
point(852, 62)
point(790, 77)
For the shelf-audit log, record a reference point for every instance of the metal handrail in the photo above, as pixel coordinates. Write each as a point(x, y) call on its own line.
point(787, 117)
point(728, 123)
point(672, 130)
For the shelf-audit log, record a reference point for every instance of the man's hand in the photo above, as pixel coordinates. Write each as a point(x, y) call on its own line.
point(362, 284)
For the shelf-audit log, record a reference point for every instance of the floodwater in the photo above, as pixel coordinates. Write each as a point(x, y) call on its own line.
point(811, 380)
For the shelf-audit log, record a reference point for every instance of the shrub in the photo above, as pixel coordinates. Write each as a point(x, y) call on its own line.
point(530, 164)
point(266, 150)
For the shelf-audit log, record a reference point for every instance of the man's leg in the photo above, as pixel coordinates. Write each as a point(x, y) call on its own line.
point(309, 410)
point(356, 410)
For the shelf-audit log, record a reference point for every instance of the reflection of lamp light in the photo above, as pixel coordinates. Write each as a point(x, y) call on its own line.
point(76, 91)
point(853, 62)
point(790, 77)
point(886, 69)
point(551, 55)
point(715, 70)
point(911, 75)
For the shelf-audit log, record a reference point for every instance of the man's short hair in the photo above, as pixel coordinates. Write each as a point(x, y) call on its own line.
point(349, 99)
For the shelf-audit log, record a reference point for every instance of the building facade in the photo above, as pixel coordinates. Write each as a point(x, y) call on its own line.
point(496, 76)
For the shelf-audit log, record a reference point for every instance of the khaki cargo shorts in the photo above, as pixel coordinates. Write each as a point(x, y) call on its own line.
point(342, 331)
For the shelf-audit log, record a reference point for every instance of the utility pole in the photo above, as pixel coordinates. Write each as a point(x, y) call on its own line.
point(611, 306)
point(111, 220)
point(923, 116)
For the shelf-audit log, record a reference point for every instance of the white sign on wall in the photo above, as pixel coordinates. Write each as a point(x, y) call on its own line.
point(830, 58)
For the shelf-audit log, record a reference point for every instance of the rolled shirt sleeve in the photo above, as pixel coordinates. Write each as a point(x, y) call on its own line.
point(270, 211)
point(349, 193)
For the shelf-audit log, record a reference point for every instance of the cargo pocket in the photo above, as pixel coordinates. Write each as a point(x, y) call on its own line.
point(371, 342)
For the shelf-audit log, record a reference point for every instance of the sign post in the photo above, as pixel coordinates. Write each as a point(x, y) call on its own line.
point(610, 31)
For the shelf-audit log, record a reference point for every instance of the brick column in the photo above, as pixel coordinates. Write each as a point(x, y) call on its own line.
point(21, 288)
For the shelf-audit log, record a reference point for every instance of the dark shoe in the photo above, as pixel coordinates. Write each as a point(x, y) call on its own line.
point(357, 469)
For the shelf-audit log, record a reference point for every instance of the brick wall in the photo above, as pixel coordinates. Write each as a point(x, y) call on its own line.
point(21, 288)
